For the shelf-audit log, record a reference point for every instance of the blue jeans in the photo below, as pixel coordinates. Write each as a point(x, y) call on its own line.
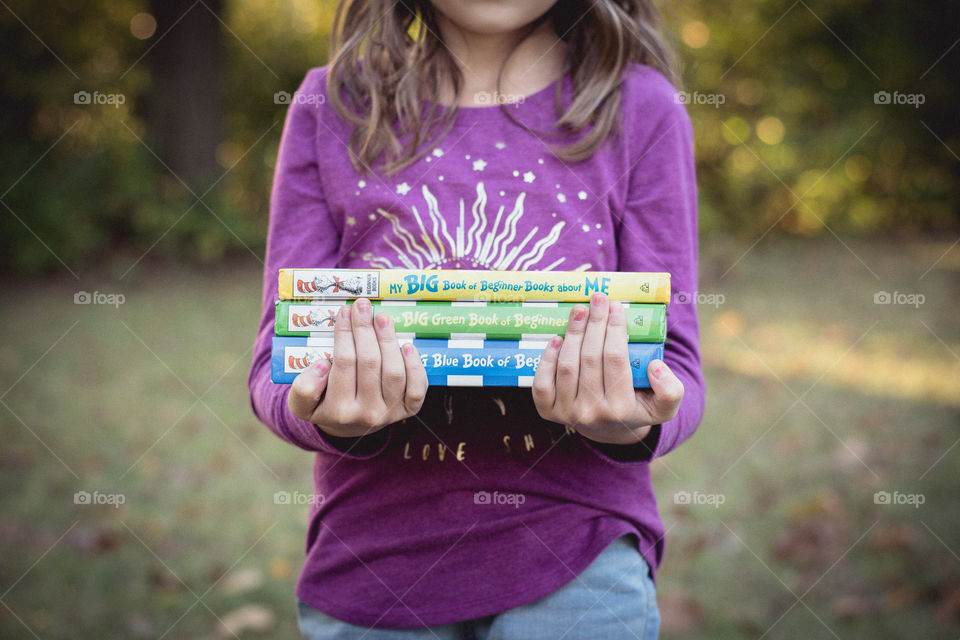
point(613, 598)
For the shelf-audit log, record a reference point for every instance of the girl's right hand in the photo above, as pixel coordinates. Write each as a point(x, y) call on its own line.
point(371, 383)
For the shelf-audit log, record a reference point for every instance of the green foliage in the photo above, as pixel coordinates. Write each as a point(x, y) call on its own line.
point(798, 142)
point(100, 188)
point(798, 121)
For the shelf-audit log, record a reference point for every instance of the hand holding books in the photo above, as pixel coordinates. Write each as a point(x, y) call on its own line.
point(371, 383)
point(584, 380)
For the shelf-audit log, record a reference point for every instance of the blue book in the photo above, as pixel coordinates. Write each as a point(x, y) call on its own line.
point(455, 363)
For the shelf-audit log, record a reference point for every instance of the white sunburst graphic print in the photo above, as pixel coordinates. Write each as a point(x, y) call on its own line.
point(474, 243)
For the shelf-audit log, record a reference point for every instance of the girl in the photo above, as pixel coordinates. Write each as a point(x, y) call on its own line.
point(494, 134)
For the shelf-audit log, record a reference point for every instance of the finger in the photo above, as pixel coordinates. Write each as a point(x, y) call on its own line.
point(343, 373)
point(617, 377)
point(368, 352)
point(568, 360)
point(307, 390)
point(416, 389)
point(545, 379)
point(394, 377)
point(667, 391)
point(590, 390)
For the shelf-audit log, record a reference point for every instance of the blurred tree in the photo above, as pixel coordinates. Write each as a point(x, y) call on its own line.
point(185, 105)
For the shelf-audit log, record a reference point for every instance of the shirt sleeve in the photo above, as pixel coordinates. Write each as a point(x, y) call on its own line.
point(658, 232)
point(302, 234)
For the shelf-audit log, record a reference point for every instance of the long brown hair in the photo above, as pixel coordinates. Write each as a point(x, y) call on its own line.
point(404, 62)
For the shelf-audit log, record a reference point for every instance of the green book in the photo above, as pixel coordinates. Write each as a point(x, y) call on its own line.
point(646, 322)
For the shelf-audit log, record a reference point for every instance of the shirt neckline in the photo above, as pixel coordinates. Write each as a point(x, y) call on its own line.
point(531, 106)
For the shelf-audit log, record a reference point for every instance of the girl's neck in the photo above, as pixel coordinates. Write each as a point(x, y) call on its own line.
point(537, 62)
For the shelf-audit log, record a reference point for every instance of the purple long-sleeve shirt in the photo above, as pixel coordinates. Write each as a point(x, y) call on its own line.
point(403, 535)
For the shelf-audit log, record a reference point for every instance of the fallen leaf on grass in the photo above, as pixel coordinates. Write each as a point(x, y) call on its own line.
point(808, 545)
point(139, 626)
point(894, 537)
point(242, 581)
point(948, 606)
point(280, 568)
point(850, 606)
point(249, 617)
point(815, 532)
point(852, 454)
point(696, 545)
point(680, 612)
point(901, 598)
point(94, 540)
point(161, 578)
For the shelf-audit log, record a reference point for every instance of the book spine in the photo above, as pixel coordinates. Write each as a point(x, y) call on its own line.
point(493, 286)
point(455, 363)
point(477, 320)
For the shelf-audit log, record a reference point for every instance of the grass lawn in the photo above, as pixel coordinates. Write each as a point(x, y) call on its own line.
point(818, 399)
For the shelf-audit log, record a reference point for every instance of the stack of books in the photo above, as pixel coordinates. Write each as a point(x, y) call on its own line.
point(471, 328)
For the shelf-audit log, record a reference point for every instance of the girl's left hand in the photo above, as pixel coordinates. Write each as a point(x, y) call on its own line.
point(584, 379)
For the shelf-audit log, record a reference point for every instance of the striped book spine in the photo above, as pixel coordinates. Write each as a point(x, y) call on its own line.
point(468, 320)
point(455, 363)
point(493, 286)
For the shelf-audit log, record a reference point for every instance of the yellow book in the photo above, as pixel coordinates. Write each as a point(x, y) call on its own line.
point(492, 286)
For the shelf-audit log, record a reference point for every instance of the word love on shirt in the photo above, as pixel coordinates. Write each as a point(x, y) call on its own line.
point(509, 444)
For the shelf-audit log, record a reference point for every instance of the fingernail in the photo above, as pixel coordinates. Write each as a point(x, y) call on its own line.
point(658, 371)
point(363, 305)
point(407, 348)
point(322, 367)
point(345, 312)
point(579, 313)
point(382, 320)
point(555, 342)
point(597, 299)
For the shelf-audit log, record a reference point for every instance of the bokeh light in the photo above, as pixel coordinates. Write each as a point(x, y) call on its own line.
point(735, 130)
point(695, 34)
point(770, 130)
point(858, 168)
point(143, 26)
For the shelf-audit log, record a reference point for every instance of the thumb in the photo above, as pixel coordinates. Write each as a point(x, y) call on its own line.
point(667, 390)
point(307, 390)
